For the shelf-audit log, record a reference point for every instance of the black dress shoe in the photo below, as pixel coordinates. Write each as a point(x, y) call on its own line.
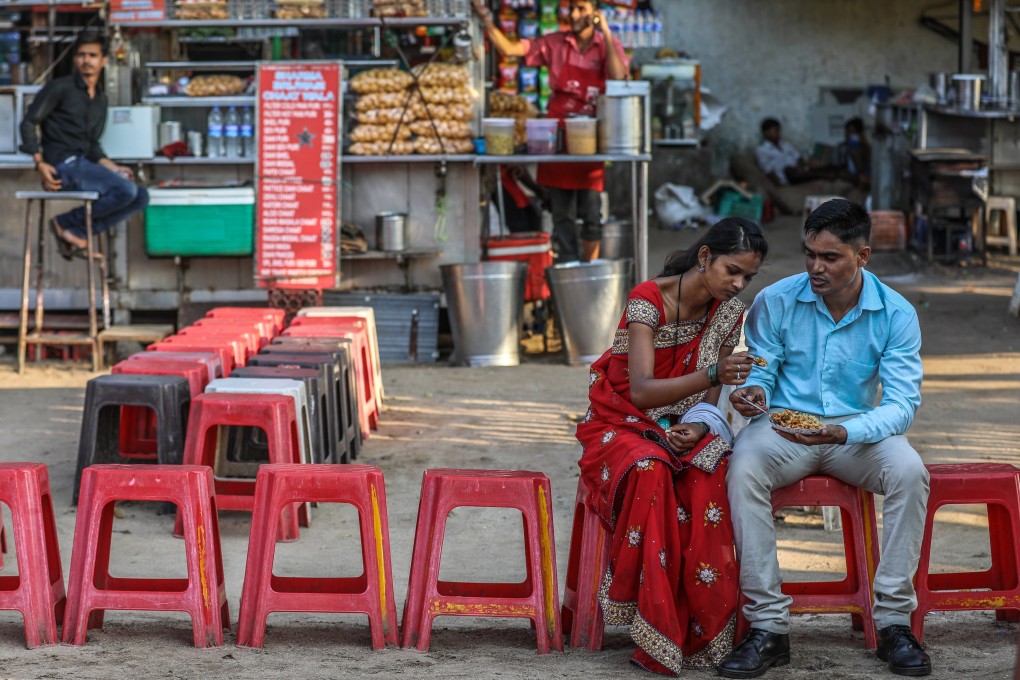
point(759, 651)
point(898, 646)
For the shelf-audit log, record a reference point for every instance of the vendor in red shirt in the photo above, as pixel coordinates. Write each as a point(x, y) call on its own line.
point(580, 61)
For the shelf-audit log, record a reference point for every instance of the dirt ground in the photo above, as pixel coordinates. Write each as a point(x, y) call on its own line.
point(523, 418)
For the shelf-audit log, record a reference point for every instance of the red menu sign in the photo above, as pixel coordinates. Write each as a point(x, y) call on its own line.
point(297, 170)
point(130, 11)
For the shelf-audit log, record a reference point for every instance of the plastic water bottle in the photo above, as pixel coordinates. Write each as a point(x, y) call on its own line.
point(214, 133)
point(656, 30)
point(232, 133)
point(248, 132)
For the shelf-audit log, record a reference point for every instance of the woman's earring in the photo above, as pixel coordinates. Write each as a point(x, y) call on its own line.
point(701, 268)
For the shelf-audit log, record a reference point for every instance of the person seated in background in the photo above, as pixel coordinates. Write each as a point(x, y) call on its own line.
point(782, 163)
point(521, 212)
point(855, 155)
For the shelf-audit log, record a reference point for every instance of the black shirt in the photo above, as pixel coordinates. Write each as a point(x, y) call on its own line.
point(71, 123)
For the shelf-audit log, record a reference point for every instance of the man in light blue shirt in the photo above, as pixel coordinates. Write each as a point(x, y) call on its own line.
point(830, 338)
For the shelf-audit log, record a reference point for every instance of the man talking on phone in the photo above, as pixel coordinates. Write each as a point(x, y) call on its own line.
point(579, 61)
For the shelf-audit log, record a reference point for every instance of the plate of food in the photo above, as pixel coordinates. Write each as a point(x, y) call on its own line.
point(759, 361)
point(796, 422)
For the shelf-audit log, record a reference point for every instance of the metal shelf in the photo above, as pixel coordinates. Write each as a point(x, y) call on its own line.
point(202, 65)
point(562, 158)
point(189, 160)
point(368, 22)
point(391, 254)
point(409, 158)
point(49, 3)
point(240, 100)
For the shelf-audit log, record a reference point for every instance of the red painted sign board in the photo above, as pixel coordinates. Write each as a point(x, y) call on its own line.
point(131, 11)
point(297, 169)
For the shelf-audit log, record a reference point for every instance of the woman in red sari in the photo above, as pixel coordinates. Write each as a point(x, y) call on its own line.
point(655, 451)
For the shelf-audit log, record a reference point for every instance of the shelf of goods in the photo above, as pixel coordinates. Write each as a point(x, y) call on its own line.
point(368, 22)
point(428, 111)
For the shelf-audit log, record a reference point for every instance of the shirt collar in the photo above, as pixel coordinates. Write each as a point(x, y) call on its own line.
point(595, 40)
point(869, 300)
point(80, 83)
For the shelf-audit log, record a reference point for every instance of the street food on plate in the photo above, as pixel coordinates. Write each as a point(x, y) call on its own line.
point(758, 361)
point(795, 420)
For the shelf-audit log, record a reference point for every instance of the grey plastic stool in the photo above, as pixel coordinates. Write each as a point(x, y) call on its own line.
point(38, 335)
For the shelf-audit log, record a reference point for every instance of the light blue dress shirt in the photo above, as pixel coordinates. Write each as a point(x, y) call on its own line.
point(834, 369)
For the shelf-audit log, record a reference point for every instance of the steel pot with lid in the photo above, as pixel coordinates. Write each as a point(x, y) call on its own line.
point(624, 126)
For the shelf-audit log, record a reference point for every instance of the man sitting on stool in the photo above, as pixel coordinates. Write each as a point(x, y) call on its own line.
point(70, 114)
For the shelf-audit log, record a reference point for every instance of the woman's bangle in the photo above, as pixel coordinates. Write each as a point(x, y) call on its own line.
point(705, 429)
point(713, 375)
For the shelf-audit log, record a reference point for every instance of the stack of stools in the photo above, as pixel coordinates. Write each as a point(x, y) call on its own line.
point(367, 314)
point(996, 486)
point(536, 598)
point(369, 405)
point(854, 594)
point(333, 363)
point(168, 396)
point(279, 487)
point(37, 590)
point(92, 589)
point(273, 413)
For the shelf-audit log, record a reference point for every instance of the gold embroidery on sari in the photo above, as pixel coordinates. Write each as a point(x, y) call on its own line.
point(615, 613)
point(708, 458)
point(658, 646)
point(714, 651)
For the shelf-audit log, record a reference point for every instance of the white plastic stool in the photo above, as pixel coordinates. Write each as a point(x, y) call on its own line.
point(368, 315)
point(38, 336)
point(999, 207)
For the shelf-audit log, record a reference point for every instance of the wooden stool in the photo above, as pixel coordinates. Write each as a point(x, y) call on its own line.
point(144, 333)
point(535, 598)
point(1003, 209)
point(38, 336)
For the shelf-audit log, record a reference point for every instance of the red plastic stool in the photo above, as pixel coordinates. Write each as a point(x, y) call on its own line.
point(280, 486)
point(249, 336)
point(362, 362)
point(581, 615)
point(138, 425)
point(357, 319)
point(998, 587)
point(275, 316)
point(265, 330)
point(226, 352)
point(91, 588)
point(853, 595)
point(211, 360)
point(536, 598)
point(273, 413)
point(37, 591)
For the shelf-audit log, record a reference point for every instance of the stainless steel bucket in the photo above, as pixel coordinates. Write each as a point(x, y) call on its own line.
point(621, 125)
point(617, 240)
point(589, 297)
point(485, 302)
point(391, 231)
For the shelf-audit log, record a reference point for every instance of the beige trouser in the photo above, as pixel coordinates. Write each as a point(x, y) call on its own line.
point(763, 461)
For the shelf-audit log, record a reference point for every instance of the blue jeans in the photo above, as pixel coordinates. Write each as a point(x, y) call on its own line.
point(119, 198)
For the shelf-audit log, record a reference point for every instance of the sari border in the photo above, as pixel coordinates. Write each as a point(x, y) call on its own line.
point(657, 645)
point(615, 613)
point(709, 458)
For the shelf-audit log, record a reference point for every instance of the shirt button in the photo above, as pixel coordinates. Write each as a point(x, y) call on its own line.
point(826, 404)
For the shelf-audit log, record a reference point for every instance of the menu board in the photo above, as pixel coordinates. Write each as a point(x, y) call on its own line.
point(130, 11)
point(297, 170)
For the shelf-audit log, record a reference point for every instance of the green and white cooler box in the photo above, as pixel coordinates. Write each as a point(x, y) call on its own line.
point(200, 221)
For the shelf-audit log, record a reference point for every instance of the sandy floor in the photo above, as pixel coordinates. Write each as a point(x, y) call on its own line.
point(523, 418)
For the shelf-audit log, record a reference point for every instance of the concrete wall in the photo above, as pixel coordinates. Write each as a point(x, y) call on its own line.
point(769, 57)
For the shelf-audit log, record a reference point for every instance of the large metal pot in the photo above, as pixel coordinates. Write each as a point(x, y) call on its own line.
point(589, 298)
point(391, 231)
point(621, 114)
point(968, 90)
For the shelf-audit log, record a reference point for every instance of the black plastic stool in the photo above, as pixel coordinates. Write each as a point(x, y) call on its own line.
point(321, 404)
point(348, 427)
point(343, 348)
point(168, 395)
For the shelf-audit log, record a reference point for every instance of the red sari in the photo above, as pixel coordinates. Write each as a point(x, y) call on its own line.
point(672, 574)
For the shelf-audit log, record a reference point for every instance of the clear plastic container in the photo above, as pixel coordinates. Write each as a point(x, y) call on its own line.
point(542, 134)
point(499, 136)
point(582, 138)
